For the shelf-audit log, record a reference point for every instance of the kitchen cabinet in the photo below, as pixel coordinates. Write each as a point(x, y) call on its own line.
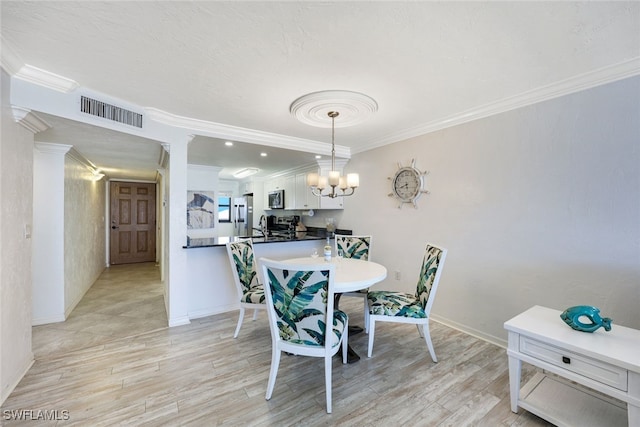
point(246, 187)
point(297, 196)
point(271, 185)
point(289, 187)
point(268, 186)
point(305, 200)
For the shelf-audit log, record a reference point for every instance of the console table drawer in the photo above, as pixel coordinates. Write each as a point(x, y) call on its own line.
point(590, 368)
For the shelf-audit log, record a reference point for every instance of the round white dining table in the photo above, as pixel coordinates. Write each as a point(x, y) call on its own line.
point(351, 274)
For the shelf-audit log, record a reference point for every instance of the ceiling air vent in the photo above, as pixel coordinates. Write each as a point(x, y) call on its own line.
point(111, 112)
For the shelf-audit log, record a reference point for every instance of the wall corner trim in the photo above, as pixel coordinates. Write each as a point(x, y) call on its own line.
point(179, 321)
point(29, 120)
point(51, 148)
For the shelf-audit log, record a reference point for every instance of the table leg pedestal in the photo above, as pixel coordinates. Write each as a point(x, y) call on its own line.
point(352, 356)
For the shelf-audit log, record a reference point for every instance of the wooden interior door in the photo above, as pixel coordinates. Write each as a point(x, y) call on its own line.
point(133, 222)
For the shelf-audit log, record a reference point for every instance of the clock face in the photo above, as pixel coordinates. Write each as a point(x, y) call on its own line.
point(407, 184)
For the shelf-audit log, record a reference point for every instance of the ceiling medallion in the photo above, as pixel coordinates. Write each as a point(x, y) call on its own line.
point(333, 108)
point(313, 109)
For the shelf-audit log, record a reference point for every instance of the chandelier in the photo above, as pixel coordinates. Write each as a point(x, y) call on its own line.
point(319, 183)
point(313, 109)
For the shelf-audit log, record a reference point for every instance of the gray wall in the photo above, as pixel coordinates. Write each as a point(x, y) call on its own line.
point(540, 205)
point(16, 201)
point(84, 236)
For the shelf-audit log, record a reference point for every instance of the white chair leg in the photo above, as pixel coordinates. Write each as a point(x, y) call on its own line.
point(345, 342)
point(420, 330)
point(327, 380)
point(372, 330)
point(255, 314)
point(427, 338)
point(366, 315)
point(235, 335)
point(275, 362)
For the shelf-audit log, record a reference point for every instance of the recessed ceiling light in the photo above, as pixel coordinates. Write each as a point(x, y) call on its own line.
point(263, 154)
point(318, 156)
point(228, 143)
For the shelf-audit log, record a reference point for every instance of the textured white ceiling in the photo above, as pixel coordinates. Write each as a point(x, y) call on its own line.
point(244, 63)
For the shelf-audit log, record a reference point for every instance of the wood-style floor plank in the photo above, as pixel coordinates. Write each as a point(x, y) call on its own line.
point(114, 362)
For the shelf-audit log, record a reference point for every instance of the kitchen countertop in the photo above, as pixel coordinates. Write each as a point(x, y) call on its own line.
point(206, 242)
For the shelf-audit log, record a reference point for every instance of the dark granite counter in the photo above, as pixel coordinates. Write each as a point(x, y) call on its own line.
point(281, 237)
point(205, 242)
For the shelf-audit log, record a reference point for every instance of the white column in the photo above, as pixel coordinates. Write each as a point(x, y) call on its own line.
point(48, 233)
point(177, 286)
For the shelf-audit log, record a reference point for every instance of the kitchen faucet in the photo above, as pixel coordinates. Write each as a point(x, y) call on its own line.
point(263, 225)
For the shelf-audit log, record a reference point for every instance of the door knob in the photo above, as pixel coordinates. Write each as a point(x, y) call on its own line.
point(113, 227)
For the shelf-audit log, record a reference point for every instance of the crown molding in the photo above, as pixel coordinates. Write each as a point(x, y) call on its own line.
point(29, 120)
point(147, 181)
point(45, 78)
point(326, 164)
point(52, 148)
point(306, 168)
point(75, 155)
point(568, 86)
point(163, 160)
point(219, 130)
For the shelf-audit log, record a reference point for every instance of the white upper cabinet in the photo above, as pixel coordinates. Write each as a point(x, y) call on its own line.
point(246, 187)
point(289, 187)
point(304, 198)
point(297, 195)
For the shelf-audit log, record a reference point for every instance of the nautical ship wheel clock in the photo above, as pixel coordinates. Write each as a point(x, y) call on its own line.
point(407, 184)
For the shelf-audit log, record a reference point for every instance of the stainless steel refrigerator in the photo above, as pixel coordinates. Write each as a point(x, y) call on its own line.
point(243, 215)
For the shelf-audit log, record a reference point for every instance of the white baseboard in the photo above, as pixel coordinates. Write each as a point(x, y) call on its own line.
point(470, 331)
point(46, 320)
point(208, 312)
point(179, 321)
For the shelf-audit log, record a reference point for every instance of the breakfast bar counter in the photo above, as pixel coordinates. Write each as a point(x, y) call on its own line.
point(209, 280)
point(206, 242)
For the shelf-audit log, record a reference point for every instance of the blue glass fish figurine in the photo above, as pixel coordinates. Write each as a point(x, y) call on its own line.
point(572, 315)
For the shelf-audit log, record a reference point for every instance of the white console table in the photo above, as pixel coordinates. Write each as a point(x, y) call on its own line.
point(590, 369)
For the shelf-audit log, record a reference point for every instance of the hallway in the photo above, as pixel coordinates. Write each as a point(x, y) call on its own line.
point(126, 300)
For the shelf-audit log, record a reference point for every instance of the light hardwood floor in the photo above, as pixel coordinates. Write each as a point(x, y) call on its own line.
point(126, 300)
point(99, 370)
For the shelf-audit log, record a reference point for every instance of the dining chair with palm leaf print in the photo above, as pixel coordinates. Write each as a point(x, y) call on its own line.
point(400, 307)
point(302, 319)
point(245, 276)
point(356, 247)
